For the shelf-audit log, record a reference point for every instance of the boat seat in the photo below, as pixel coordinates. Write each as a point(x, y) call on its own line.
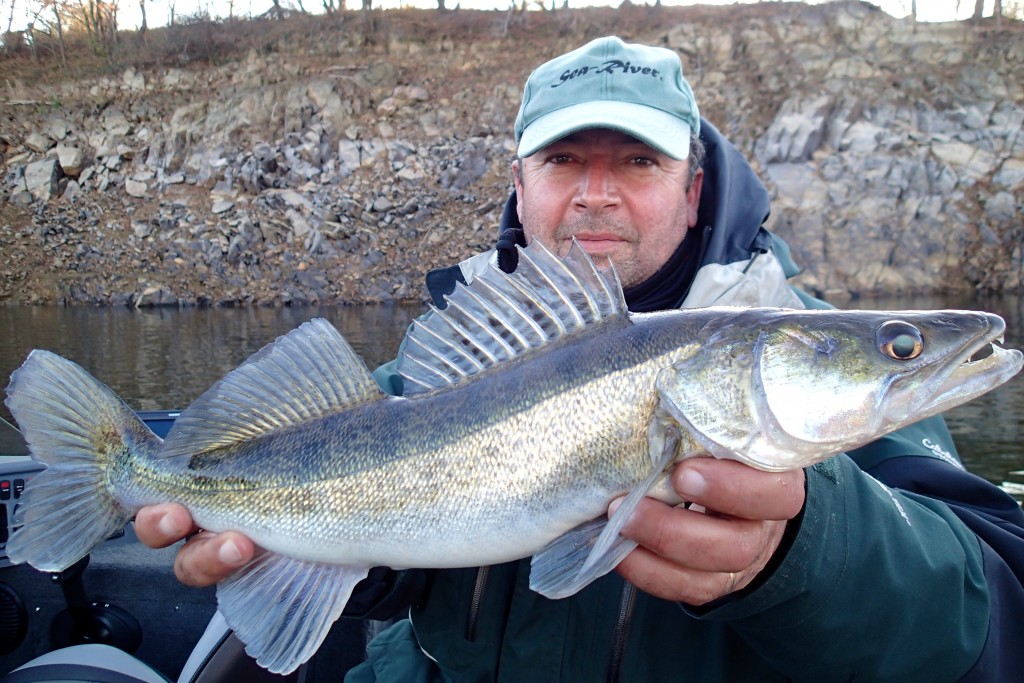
point(218, 657)
point(91, 662)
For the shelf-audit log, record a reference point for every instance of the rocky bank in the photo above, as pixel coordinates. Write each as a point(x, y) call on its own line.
point(336, 160)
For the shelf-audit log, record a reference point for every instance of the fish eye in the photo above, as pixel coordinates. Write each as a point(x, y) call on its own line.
point(900, 340)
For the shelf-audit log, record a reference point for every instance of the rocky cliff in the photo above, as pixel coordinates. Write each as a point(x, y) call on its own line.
point(337, 160)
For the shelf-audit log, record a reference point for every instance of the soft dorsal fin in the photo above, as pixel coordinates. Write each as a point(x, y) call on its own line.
point(306, 374)
point(500, 316)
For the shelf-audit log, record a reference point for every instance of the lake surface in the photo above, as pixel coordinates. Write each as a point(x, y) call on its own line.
point(165, 358)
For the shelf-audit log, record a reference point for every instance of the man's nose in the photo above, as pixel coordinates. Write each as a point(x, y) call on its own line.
point(598, 188)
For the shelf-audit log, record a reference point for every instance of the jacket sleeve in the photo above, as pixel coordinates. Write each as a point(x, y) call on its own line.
point(995, 518)
point(903, 567)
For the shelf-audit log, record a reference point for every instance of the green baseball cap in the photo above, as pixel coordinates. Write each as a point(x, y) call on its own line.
point(607, 83)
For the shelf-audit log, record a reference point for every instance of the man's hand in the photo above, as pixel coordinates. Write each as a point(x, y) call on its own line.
point(733, 528)
point(206, 557)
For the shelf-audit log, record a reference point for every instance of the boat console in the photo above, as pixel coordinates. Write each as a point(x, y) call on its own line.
point(16, 469)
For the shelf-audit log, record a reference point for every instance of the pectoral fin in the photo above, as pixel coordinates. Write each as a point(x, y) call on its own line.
point(282, 608)
point(574, 560)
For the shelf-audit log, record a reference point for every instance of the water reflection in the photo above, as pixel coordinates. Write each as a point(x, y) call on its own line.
point(164, 358)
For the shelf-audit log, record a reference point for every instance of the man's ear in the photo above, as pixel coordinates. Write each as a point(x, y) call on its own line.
point(517, 178)
point(693, 197)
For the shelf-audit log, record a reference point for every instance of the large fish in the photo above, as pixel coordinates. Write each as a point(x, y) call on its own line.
point(531, 401)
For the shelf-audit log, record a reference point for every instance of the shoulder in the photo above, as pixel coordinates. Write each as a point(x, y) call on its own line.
point(442, 281)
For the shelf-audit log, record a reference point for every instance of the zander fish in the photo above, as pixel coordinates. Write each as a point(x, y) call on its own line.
point(531, 401)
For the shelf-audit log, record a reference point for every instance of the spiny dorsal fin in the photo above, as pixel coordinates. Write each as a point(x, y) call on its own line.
point(306, 374)
point(500, 316)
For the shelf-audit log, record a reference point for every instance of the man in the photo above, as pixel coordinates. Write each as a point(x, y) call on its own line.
point(890, 563)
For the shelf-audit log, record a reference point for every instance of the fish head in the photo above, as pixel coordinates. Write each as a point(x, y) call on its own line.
point(782, 389)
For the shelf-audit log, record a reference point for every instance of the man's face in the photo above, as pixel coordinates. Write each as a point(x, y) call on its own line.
point(622, 200)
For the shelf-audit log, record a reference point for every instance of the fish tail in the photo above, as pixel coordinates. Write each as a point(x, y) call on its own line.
point(86, 436)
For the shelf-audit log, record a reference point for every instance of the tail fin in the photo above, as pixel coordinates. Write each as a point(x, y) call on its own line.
point(83, 433)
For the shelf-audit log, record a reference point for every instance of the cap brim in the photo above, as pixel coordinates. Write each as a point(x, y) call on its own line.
point(662, 131)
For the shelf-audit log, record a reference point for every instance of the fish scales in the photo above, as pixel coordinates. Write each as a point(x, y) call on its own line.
point(419, 481)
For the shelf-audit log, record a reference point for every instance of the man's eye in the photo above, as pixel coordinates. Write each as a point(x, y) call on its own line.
point(558, 159)
point(642, 161)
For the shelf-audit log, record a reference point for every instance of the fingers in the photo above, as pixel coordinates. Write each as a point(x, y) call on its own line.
point(208, 557)
point(665, 579)
point(159, 526)
point(700, 541)
point(204, 559)
point(732, 488)
point(721, 544)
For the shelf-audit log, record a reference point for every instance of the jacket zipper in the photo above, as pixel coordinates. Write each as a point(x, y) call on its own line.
point(479, 586)
point(621, 633)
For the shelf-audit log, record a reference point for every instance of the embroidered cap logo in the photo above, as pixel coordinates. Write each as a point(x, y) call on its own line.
point(612, 66)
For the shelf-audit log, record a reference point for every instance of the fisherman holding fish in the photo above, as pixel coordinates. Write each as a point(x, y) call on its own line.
point(888, 563)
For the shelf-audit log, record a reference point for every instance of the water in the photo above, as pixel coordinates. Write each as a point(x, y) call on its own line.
point(164, 358)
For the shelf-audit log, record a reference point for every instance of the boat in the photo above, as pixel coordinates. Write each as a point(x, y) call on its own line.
point(119, 614)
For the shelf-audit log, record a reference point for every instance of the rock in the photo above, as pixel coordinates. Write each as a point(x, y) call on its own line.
point(173, 78)
point(300, 226)
point(142, 229)
point(71, 160)
point(57, 127)
point(155, 296)
point(37, 142)
point(72, 190)
point(796, 135)
point(1010, 174)
point(1001, 207)
point(222, 205)
point(114, 122)
point(135, 188)
point(133, 80)
point(42, 177)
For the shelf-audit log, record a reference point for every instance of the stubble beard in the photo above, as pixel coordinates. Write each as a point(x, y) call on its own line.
point(624, 262)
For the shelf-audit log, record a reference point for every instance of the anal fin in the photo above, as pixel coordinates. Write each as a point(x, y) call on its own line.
point(282, 608)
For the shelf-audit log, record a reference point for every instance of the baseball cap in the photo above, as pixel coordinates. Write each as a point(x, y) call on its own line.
point(636, 89)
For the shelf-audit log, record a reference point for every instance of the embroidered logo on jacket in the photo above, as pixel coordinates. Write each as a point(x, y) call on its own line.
point(941, 453)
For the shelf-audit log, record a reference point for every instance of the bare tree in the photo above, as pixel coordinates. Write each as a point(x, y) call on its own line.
point(10, 18)
point(979, 7)
point(276, 12)
point(59, 25)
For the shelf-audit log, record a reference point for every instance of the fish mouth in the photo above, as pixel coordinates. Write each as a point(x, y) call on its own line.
point(979, 367)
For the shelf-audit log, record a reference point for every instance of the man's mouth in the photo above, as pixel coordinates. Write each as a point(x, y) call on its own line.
point(598, 243)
